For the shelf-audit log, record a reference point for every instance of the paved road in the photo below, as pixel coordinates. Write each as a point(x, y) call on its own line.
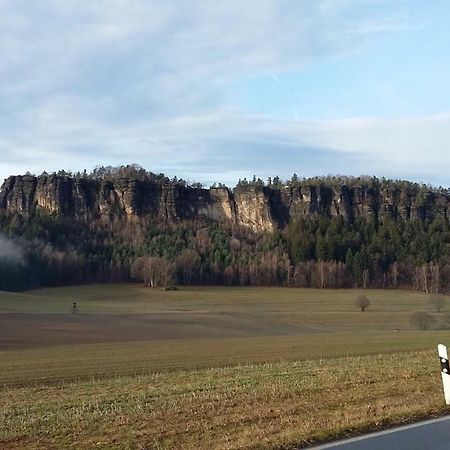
point(429, 435)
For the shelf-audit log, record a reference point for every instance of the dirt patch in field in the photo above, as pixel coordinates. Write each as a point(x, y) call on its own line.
point(30, 330)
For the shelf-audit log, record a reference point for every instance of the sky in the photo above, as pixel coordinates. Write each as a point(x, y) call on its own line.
point(214, 91)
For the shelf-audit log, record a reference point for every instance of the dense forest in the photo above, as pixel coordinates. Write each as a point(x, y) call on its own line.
point(316, 250)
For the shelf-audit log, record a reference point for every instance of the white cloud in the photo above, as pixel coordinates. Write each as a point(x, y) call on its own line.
point(226, 142)
point(415, 142)
point(111, 82)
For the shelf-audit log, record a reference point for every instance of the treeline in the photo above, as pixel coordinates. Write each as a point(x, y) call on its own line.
point(373, 182)
point(112, 173)
point(137, 172)
point(315, 251)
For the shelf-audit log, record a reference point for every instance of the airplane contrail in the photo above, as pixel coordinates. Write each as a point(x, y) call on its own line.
point(288, 91)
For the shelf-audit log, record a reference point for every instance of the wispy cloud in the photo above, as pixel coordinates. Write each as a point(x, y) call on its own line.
point(86, 83)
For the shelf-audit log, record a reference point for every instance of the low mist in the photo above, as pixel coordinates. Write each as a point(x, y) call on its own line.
point(11, 252)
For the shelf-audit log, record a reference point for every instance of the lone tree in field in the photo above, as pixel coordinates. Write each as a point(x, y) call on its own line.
point(362, 302)
point(438, 302)
point(422, 320)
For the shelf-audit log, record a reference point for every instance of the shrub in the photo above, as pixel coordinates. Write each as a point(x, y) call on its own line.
point(422, 320)
point(362, 302)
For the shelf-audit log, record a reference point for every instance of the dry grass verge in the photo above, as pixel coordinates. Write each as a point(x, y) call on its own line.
point(266, 406)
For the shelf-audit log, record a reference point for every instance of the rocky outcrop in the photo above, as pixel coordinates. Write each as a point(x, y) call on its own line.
point(168, 201)
point(253, 209)
point(18, 194)
point(54, 195)
point(221, 206)
point(260, 208)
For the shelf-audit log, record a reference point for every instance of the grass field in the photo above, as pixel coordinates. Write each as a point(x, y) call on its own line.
point(210, 367)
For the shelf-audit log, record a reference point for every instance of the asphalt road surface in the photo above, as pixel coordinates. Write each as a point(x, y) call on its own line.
point(429, 435)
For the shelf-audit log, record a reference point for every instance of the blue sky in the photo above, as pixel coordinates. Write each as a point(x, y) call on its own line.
point(219, 90)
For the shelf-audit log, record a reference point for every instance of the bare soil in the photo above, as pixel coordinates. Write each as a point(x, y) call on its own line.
point(35, 330)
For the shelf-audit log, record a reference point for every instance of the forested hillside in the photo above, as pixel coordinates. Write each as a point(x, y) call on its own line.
point(119, 223)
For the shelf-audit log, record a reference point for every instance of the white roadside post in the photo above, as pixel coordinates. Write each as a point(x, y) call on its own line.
point(445, 371)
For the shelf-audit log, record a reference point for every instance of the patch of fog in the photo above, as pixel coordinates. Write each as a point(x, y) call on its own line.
point(11, 252)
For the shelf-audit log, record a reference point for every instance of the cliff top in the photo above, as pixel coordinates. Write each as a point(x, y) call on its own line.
point(136, 172)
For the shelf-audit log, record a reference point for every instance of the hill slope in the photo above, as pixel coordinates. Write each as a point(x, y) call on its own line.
point(321, 232)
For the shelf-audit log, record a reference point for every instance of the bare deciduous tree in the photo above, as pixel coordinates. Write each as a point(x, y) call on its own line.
point(422, 320)
point(438, 302)
point(186, 262)
point(362, 302)
point(154, 271)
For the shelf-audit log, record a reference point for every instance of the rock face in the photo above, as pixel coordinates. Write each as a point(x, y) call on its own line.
point(256, 207)
point(253, 209)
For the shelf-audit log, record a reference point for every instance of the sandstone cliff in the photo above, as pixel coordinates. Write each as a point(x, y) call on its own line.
point(260, 208)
